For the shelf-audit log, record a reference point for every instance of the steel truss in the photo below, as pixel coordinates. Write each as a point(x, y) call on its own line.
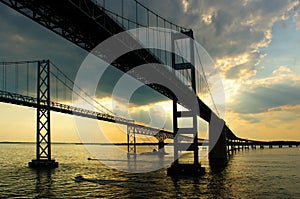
point(43, 141)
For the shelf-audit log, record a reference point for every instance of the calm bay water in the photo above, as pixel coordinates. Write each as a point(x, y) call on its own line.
point(267, 173)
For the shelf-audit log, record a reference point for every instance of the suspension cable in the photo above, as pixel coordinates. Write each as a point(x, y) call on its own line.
point(80, 89)
point(205, 80)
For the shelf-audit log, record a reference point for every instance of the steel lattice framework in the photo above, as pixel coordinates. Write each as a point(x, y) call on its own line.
point(43, 138)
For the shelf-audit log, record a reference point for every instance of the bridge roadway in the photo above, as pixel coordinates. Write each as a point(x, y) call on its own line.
point(248, 142)
point(85, 24)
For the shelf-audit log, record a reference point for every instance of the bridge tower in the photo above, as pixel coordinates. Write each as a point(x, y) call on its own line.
point(131, 141)
point(43, 141)
point(178, 168)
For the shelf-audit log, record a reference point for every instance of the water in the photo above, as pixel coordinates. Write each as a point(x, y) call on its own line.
point(267, 173)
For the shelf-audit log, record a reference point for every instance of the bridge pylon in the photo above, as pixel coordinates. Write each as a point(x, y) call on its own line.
point(131, 141)
point(43, 139)
point(178, 168)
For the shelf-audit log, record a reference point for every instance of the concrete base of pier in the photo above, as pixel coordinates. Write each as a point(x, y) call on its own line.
point(43, 164)
point(185, 170)
point(218, 164)
point(218, 150)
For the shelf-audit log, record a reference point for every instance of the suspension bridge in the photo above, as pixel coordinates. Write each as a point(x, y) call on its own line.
point(87, 23)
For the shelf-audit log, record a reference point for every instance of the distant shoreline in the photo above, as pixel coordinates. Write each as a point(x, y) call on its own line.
point(138, 144)
point(7, 142)
point(74, 143)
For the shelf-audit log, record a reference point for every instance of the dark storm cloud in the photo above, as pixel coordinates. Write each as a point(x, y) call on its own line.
point(168, 9)
point(261, 99)
point(221, 20)
point(23, 39)
point(143, 95)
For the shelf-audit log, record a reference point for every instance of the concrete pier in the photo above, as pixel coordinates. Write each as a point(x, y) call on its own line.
point(43, 164)
point(217, 144)
point(186, 169)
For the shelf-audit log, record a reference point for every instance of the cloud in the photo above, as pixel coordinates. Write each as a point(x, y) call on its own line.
point(271, 125)
point(265, 94)
point(282, 70)
point(288, 108)
point(156, 114)
point(235, 29)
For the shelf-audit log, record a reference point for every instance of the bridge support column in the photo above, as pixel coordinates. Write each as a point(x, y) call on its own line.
point(217, 145)
point(131, 141)
point(228, 146)
point(192, 132)
point(161, 146)
point(43, 138)
point(247, 145)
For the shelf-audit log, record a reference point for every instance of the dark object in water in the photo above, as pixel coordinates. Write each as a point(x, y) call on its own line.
point(155, 152)
point(80, 178)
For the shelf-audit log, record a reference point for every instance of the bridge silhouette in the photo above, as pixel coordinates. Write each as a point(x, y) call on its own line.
point(87, 23)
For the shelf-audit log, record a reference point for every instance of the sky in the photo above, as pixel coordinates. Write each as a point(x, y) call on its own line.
point(255, 45)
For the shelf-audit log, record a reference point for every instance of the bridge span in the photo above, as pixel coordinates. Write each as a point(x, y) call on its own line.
point(87, 23)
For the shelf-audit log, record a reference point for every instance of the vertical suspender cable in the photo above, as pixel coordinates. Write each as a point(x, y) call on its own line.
point(184, 43)
point(148, 25)
point(56, 85)
point(122, 12)
point(27, 78)
point(136, 19)
point(165, 42)
point(153, 39)
point(3, 81)
point(16, 77)
point(104, 19)
point(157, 51)
point(65, 90)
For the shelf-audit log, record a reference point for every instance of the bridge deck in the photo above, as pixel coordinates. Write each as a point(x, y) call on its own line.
point(18, 99)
